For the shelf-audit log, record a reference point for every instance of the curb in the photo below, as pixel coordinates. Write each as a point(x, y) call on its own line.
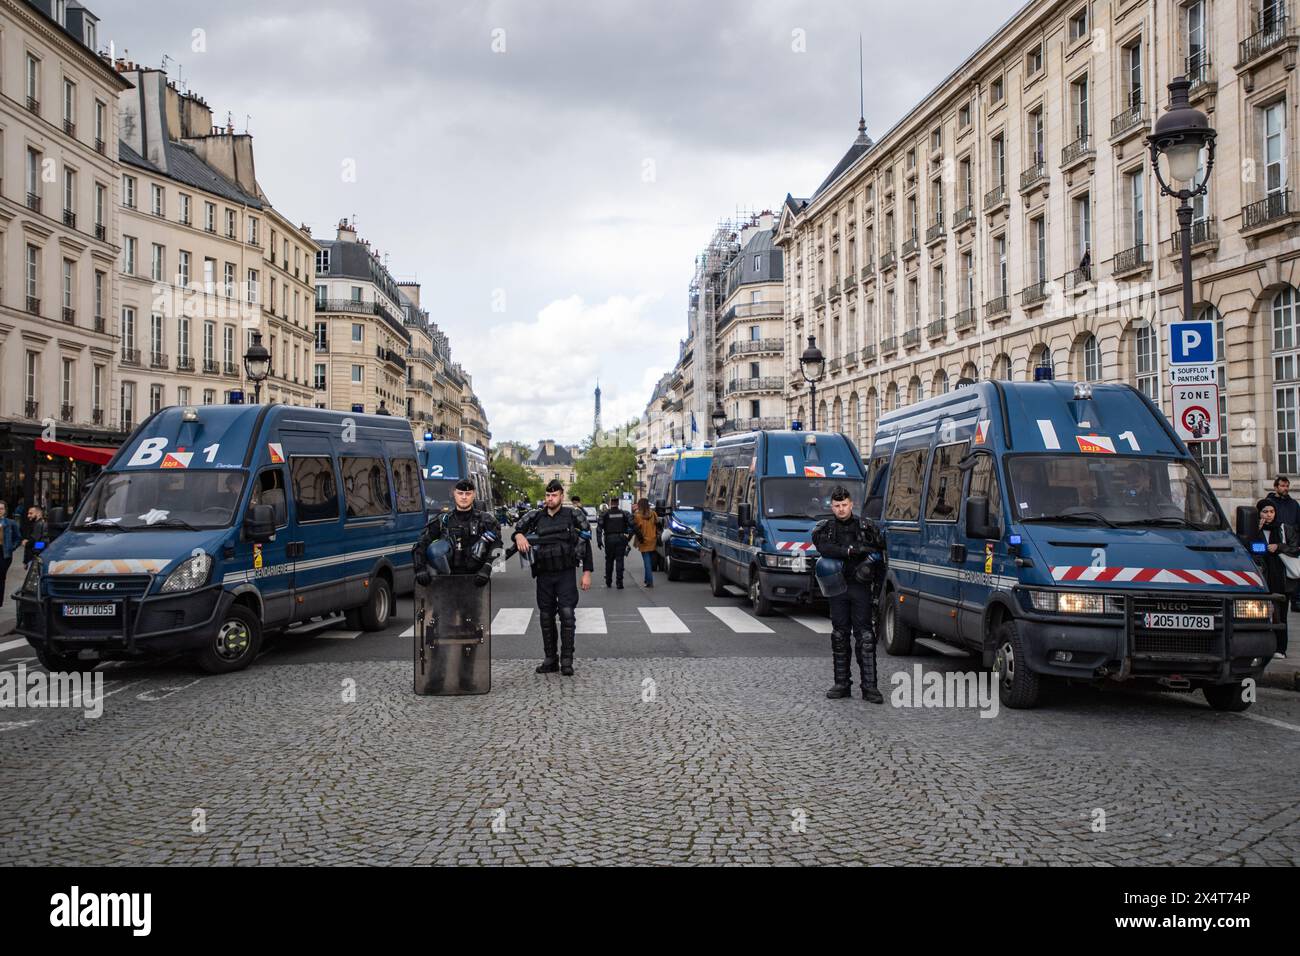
point(1281, 679)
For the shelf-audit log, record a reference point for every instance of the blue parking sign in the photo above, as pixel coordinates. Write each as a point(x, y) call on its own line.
point(1191, 343)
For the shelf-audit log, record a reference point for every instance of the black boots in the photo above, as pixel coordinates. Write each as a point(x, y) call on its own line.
point(866, 651)
point(568, 626)
point(550, 665)
point(840, 661)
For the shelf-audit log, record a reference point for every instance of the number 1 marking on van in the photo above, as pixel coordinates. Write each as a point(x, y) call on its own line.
point(1131, 439)
point(789, 464)
point(210, 453)
point(1049, 433)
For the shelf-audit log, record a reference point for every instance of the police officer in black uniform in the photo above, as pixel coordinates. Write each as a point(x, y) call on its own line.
point(558, 537)
point(613, 531)
point(472, 536)
point(859, 544)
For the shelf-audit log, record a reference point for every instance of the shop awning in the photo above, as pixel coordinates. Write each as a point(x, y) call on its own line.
point(96, 455)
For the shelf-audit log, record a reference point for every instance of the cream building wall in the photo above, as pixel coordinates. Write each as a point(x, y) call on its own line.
point(968, 256)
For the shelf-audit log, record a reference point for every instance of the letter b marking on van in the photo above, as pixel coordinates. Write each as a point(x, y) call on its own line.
point(150, 452)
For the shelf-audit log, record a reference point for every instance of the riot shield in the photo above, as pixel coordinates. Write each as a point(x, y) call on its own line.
point(453, 637)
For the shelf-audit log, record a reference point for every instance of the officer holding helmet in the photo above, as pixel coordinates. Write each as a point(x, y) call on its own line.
point(460, 541)
point(555, 538)
point(849, 567)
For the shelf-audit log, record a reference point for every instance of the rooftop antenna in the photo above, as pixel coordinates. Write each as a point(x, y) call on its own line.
point(862, 100)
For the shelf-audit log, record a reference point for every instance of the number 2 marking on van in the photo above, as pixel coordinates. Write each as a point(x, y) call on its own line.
point(1131, 439)
point(837, 469)
point(435, 471)
point(789, 464)
point(210, 453)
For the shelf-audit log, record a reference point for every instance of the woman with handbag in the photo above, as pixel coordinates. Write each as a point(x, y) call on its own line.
point(647, 537)
point(1277, 559)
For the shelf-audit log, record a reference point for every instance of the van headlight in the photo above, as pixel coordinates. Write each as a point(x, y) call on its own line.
point(1075, 602)
point(32, 582)
point(678, 528)
point(785, 562)
point(190, 574)
point(1252, 610)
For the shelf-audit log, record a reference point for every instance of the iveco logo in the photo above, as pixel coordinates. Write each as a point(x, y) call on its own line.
point(1171, 606)
point(96, 586)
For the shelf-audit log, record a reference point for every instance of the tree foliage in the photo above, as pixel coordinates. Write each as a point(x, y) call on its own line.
point(511, 481)
point(602, 470)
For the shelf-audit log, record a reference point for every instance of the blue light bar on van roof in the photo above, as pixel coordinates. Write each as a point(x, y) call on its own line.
point(1014, 540)
point(428, 436)
point(1258, 547)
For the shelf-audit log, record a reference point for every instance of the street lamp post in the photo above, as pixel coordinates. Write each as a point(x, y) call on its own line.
point(812, 364)
point(257, 364)
point(1179, 136)
point(719, 417)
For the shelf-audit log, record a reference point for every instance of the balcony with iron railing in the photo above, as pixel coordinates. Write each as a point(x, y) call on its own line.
point(936, 232)
point(1199, 72)
point(1133, 259)
point(230, 369)
point(834, 365)
point(33, 305)
point(1077, 278)
point(67, 413)
point(833, 291)
point(1270, 38)
point(963, 216)
point(963, 320)
point(31, 408)
point(185, 363)
point(131, 357)
point(936, 329)
point(100, 323)
point(1034, 176)
point(157, 360)
point(851, 358)
point(211, 367)
point(69, 316)
point(868, 270)
point(888, 345)
point(1078, 151)
point(1132, 119)
point(911, 246)
point(34, 105)
point(742, 425)
point(322, 348)
point(998, 307)
point(97, 416)
point(1271, 211)
point(101, 231)
point(1205, 233)
point(757, 345)
point(995, 198)
point(888, 260)
point(868, 354)
point(34, 202)
point(763, 384)
point(70, 219)
point(819, 300)
point(911, 338)
point(101, 147)
point(1034, 293)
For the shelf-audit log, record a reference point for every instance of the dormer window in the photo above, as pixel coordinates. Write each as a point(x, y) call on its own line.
point(61, 12)
point(91, 39)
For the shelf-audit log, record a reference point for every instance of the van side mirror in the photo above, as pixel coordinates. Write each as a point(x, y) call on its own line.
point(977, 518)
point(1247, 521)
point(745, 515)
point(259, 525)
point(661, 507)
point(58, 516)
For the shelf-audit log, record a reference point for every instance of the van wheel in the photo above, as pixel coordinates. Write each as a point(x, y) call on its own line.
point(374, 613)
point(757, 599)
point(899, 637)
point(235, 644)
point(1018, 686)
point(716, 584)
point(1229, 697)
point(352, 618)
point(673, 568)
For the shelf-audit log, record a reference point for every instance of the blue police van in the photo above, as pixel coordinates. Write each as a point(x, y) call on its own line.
point(765, 493)
point(443, 463)
point(214, 525)
point(1064, 530)
point(676, 484)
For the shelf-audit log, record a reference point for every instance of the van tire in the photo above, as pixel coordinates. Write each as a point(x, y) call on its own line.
point(899, 637)
point(1226, 697)
point(673, 568)
point(716, 584)
point(758, 601)
point(352, 618)
point(1018, 686)
point(376, 612)
point(235, 643)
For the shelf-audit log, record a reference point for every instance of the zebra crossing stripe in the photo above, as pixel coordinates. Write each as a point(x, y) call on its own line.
point(591, 620)
point(13, 645)
point(346, 635)
point(819, 624)
point(512, 620)
point(739, 621)
point(662, 620)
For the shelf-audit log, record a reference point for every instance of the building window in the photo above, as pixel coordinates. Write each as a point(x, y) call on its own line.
point(1034, 61)
point(357, 378)
point(183, 395)
point(183, 338)
point(1213, 455)
point(1000, 277)
point(210, 217)
point(101, 113)
point(319, 380)
point(1133, 74)
point(209, 396)
point(156, 200)
point(97, 390)
point(230, 224)
point(322, 262)
point(185, 209)
point(1079, 24)
point(1091, 359)
point(101, 198)
point(70, 192)
point(1286, 379)
point(128, 328)
point(228, 279)
point(127, 405)
point(183, 268)
point(358, 332)
point(252, 230)
point(1038, 247)
point(128, 255)
point(32, 277)
point(33, 84)
point(156, 339)
point(1198, 51)
point(1037, 138)
point(33, 176)
point(1079, 106)
point(963, 117)
point(99, 294)
point(1146, 361)
point(1136, 208)
point(128, 191)
point(155, 398)
point(228, 346)
point(209, 343)
point(997, 90)
point(1082, 227)
point(999, 157)
point(158, 263)
point(69, 282)
point(252, 286)
point(1275, 147)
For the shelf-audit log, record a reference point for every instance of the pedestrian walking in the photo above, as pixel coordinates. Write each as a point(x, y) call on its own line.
point(10, 541)
point(613, 531)
point(1274, 546)
point(647, 537)
point(1288, 513)
point(558, 539)
point(850, 565)
point(37, 531)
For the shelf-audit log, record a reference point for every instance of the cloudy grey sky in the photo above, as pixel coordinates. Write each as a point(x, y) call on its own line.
point(548, 169)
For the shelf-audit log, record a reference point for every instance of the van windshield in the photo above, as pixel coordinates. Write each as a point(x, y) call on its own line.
point(180, 498)
point(806, 497)
point(1121, 491)
point(437, 493)
point(688, 495)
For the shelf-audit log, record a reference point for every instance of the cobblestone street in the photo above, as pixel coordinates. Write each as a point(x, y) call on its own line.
point(731, 761)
